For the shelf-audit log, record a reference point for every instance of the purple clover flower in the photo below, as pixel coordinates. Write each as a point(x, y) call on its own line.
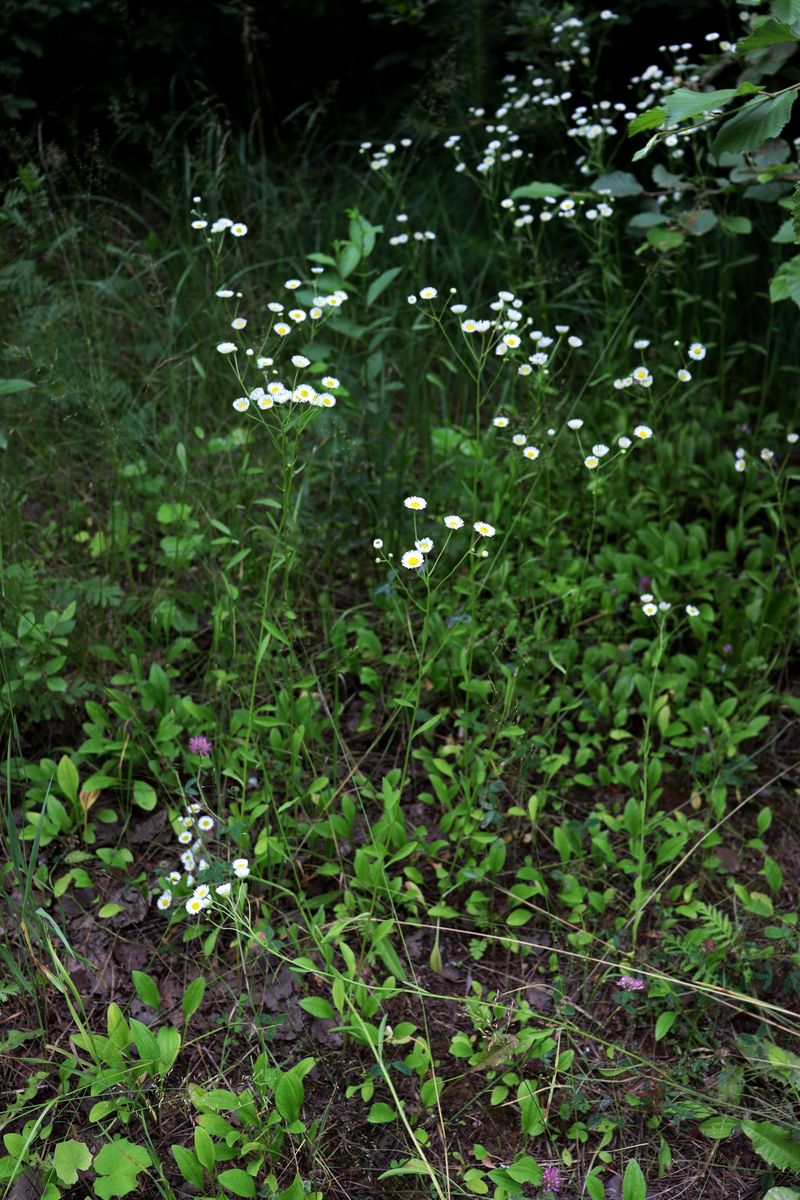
point(552, 1179)
point(201, 745)
point(629, 983)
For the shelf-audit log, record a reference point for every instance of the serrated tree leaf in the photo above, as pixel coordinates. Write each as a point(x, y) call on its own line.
point(750, 127)
point(785, 283)
point(685, 102)
point(768, 33)
point(775, 1145)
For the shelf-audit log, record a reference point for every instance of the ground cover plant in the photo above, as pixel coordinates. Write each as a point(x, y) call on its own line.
point(398, 632)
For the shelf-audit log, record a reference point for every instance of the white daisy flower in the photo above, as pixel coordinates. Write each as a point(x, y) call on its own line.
point(221, 224)
point(591, 462)
point(297, 314)
point(275, 307)
point(525, 369)
point(194, 905)
point(792, 438)
point(484, 529)
point(575, 423)
point(241, 403)
point(425, 545)
point(224, 293)
point(766, 455)
point(512, 340)
point(282, 329)
point(415, 502)
point(697, 351)
point(205, 823)
point(292, 284)
point(201, 891)
point(330, 381)
point(174, 877)
point(377, 543)
point(740, 465)
point(241, 868)
point(412, 559)
point(575, 342)
point(226, 348)
point(500, 422)
point(428, 293)
point(664, 605)
point(184, 837)
point(649, 609)
point(239, 323)
point(469, 326)
point(304, 394)
point(691, 611)
point(519, 439)
point(643, 431)
point(199, 224)
point(223, 889)
point(684, 376)
point(600, 450)
point(454, 522)
point(641, 344)
point(187, 859)
point(262, 362)
point(238, 229)
point(299, 360)
point(164, 900)
point(531, 452)
point(326, 400)
point(624, 442)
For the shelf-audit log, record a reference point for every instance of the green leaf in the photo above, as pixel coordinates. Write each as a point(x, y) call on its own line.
point(782, 1193)
point(698, 222)
point(146, 1043)
point(237, 1181)
point(519, 916)
point(719, 1127)
point(295, 1190)
point(147, 989)
point(144, 796)
point(412, 1166)
point(379, 285)
point(169, 1044)
point(120, 1162)
point(753, 124)
point(289, 1096)
point(68, 779)
point(768, 32)
point(318, 1007)
point(618, 183)
point(188, 1165)
point(785, 10)
point(633, 1184)
point(685, 102)
point(380, 1114)
point(785, 283)
point(651, 119)
point(664, 1024)
point(109, 910)
point(775, 1145)
point(71, 1157)
point(204, 1148)
point(9, 386)
point(537, 191)
point(193, 997)
point(737, 225)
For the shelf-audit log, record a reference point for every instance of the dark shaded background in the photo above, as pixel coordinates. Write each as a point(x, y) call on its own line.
point(125, 73)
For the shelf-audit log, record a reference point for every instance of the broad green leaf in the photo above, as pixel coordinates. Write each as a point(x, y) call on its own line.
point(68, 779)
point(698, 222)
point(237, 1181)
point(685, 102)
point(146, 989)
point(719, 1127)
point(119, 1162)
point(785, 10)
point(633, 1184)
point(537, 191)
point(768, 32)
point(782, 1193)
point(412, 1166)
point(295, 1190)
point(519, 916)
point(785, 283)
point(617, 183)
point(664, 1024)
point(109, 910)
point(193, 997)
point(776, 1146)
point(71, 1157)
point(379, 285)
point(737, 225)
point(9, 386)
point(289, 1096)
point(652, 119)
point(169, 1044)
point(318, 1007)
point(204, 1148)
point(380, 1114)
point(145, 1042)
point(144, 796)
point(188, 1165)
point(750, 127)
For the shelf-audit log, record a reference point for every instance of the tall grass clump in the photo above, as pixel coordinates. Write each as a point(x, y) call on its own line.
point(398, 637)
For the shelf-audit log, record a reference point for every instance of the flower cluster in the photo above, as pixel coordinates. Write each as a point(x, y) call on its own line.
point(651, 607)
point(418, 557)
point(193, 829)
point(381, 156)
